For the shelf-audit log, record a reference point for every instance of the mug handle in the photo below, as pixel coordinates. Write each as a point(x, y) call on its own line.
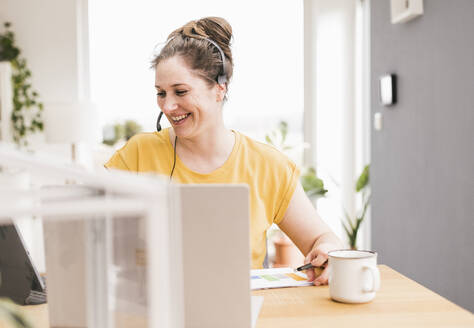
point(375, 279)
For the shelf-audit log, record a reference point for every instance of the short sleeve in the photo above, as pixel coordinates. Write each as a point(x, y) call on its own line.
point(126, 158)
point(116, 162)
point(290, 181)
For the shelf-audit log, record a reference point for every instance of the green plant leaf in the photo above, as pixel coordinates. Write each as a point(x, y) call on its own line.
point(357, 225)
point(363, 179)
point(312, 185)
point(131, 128)
point(349, 220)
point(348, 232)
point(277, 137)
point(23, 98)
point(366, 206)
point(268, 140)
point(283, 128)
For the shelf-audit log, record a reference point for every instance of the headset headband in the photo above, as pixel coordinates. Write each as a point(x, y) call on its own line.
point(221, 78)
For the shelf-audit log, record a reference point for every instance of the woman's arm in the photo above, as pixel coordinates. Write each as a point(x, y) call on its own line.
point(309, 232)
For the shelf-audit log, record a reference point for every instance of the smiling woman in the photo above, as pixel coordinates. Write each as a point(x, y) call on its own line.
point(186, 99)
point(193, 71)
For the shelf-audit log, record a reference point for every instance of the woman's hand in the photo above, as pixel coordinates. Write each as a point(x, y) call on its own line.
point(318, 257)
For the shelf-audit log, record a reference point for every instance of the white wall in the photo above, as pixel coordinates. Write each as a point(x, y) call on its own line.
point(53, 37)
point(47, 35)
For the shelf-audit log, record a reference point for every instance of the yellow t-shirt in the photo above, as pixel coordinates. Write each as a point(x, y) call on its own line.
point(270, 175)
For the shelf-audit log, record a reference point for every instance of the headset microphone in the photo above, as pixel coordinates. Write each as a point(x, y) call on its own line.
point(158, 125)
point(158, 128)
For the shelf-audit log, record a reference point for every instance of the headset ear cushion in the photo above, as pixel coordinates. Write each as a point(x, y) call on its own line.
point(221, 79)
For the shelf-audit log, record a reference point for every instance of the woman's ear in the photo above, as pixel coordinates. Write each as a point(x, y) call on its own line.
point(221, 91)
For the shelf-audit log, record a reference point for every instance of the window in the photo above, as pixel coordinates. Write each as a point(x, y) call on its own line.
point(338, 42)
point(267, 85)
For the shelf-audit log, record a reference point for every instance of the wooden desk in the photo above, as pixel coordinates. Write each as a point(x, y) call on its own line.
point(400, 302)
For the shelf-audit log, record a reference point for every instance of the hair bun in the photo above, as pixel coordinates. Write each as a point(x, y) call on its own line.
point(193, 30)
point(190, 42)
point(217, 29)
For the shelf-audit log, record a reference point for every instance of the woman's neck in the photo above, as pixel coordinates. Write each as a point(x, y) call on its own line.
point(206, 152)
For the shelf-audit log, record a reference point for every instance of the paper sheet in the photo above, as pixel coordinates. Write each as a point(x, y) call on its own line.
point(277, 278)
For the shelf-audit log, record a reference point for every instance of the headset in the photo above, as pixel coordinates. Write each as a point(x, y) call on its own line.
point(220, 79)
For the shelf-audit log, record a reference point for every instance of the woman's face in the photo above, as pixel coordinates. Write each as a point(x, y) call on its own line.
point(188, 102)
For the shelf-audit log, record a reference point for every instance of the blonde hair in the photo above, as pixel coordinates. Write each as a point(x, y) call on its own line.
point(191, 43)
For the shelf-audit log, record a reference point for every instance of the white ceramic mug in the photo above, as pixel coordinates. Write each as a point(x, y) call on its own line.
point(353, 275)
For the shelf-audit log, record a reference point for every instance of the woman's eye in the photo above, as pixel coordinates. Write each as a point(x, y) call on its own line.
point(161, 94)
point(181, 92)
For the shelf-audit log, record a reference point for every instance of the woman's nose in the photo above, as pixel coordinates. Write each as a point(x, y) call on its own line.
point(168, 104)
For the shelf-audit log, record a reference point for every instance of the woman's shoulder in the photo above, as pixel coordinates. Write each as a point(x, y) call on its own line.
point(147, 139)
point(138, 151)
point(145, 143)
point(258, 148)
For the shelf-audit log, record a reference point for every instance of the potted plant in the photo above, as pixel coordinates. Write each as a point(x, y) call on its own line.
point(26, 114)
point(352, 225)
point(131, 128)
point(117, 132)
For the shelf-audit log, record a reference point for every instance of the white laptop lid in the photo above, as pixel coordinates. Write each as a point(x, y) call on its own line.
point(216, 255)
point(210, 233)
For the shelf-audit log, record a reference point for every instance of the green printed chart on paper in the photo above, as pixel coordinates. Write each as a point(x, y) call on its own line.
point(277, 278)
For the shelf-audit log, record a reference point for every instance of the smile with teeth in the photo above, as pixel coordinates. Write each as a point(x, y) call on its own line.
point(179, 118)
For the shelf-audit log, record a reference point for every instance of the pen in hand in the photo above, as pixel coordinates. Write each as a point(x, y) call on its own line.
point(310, 266)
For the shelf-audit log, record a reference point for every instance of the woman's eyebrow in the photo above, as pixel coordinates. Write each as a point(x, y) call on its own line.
point(174, 85)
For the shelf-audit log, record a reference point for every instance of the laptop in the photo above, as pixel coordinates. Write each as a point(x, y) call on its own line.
point(19, 279)
point(209, 231)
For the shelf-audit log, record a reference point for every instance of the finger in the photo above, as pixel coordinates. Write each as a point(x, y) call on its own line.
point(311, 255)
point(322, 279)
point(319, 260)
point(311, 275)
point(317, 271)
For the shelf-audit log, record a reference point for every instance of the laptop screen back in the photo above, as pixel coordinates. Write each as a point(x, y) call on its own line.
point(18, 275)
